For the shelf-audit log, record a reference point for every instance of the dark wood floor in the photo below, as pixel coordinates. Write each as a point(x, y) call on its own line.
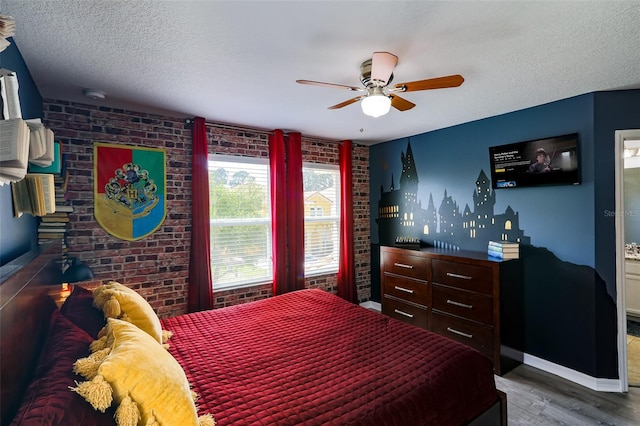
point(535, 397)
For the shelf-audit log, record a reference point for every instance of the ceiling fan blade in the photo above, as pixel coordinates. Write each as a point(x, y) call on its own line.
point(431, 83)
point(336, 86)
point(345, 103)
point(382, 65)
point(401, 104)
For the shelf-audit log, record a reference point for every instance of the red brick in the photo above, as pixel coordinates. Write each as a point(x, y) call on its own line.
point(159, 263)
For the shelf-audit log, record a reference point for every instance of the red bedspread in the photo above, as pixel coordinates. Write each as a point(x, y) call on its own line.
point(311, 358)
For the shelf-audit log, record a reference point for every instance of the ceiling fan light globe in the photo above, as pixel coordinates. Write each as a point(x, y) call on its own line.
point(376, 105)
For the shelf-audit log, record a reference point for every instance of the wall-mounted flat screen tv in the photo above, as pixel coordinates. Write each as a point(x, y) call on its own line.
point(552, 161)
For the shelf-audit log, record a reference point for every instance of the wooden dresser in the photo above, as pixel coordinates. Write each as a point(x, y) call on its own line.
point(466, 296)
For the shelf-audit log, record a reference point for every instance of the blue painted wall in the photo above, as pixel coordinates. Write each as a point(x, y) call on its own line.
point(570, 316)
point(18, 235)
point(451, 159)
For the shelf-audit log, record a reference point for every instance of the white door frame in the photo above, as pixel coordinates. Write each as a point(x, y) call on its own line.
point(621, 136)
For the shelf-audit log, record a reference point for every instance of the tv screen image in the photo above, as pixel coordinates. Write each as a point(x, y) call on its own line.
point(552, 161)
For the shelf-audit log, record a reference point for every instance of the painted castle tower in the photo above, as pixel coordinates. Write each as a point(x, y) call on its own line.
point(400, 214)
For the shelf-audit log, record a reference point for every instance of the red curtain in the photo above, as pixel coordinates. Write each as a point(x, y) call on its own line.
point(346, 270)
point(295, 213)
point(200, 285)
point(287, 211)
point(278, 182)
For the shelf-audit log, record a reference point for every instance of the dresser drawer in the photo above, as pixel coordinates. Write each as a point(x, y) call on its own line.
point(461, 275)
point(405, 312)
point(470, 333)
point(406, 264)
point(406, 289)
point(466, 304)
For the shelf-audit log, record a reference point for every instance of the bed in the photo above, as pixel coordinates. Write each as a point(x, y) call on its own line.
point(302, 358)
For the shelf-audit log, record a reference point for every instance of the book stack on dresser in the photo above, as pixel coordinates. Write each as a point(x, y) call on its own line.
point(503, 250)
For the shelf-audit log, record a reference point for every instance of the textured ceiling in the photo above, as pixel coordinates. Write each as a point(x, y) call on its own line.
point(237, 62)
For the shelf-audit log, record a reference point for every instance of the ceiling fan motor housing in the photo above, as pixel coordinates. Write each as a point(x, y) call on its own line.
point(365, 75)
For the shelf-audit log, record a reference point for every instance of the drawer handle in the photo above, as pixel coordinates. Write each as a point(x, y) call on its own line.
point(406, 290)
point(460, 333)
point(402, 265)
point(463, 277)
point(398, 311)
point(462, 305)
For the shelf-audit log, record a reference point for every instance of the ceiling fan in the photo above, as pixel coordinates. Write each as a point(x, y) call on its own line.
point(376, 74)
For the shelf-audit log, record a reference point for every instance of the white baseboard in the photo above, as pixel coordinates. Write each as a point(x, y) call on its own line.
point(369, 304)
point(602, 385)
point(634, 314)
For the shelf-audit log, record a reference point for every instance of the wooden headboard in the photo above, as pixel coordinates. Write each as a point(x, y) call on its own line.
point(25, 311)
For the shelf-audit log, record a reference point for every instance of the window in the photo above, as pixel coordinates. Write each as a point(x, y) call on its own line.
point(240, 221)
point(316, 211)
point(321, 218)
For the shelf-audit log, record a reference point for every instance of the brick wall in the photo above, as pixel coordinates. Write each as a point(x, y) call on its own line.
point(157, 266)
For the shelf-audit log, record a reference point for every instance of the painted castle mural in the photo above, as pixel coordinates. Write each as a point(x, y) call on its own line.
point(401, 215)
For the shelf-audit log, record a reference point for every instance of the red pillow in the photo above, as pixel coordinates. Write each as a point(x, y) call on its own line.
point(48, 400)
point(79, 309)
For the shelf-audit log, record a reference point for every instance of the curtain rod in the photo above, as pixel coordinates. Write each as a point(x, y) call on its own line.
point(256, 130)
point(239, 128)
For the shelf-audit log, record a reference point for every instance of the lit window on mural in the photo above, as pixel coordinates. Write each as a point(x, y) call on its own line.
point(443, 223)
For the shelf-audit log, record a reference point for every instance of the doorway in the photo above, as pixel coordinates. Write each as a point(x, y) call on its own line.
point(627, 145)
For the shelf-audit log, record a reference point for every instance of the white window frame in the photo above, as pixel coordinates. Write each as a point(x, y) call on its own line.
point(242, 283)
point(332, 217)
